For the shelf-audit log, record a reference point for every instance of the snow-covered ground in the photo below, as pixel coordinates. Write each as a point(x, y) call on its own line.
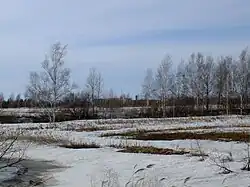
point(91, 165)
point(22, 112)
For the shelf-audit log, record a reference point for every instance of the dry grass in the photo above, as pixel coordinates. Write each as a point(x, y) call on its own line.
point(197, 128)
point(143, 131)
point(153, 150)
point(80, 145)
point(96, 128)
point(216, 136)
point(129, 133)
point(91, 129)
point(146, 176)
point(42, 139)
point(61, 141)
point(136, 147)
point(137, 132)
point(163, 135)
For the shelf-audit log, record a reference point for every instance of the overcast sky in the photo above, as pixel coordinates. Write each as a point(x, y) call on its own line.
point(121, 38)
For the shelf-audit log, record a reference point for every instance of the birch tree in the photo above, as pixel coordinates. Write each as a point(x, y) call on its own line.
point(244, 73)
point(18, 99)
point(193, 77)
point(236, 83)
point(228, 82)
point(223, 80)
point(148, 85)
point(111, 102)
point(162, 81)
point(94, 86)
point(200, 79)
point(241, 78)
point(52, 84)
point(220, 79)
point(186, 82)
point(208, 75)
point(177, 82)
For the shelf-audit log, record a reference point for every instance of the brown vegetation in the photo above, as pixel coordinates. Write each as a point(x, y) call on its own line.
point(80, 145)
point(221, 136)
point(216, 136)
point(59, 141)
point(129, 133)
point(143, 131)
point(152, 150)
point(96, 128)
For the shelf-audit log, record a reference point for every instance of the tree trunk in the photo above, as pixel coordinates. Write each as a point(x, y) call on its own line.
point(207, 100)
point(54, 116)
point(93, 105)
point(173, 108)
point(219, 101)
point(241, 105)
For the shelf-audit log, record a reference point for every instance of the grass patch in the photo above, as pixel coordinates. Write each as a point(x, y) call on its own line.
point(129, 133)
point(144, 131)
point(39, 139)
point(139, 132)
point(94, 128)
point(101, 128)
point(196, 128)
point(216, 136)
point(152, 150)
point(137, 148)
point(60, 141)
point(163, 135)
point(80, 145)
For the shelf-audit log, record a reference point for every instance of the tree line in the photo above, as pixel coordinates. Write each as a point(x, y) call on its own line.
point(199, 85)
point(204, 83)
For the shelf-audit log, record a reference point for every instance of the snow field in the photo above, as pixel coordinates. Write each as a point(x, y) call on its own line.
point(86, 165)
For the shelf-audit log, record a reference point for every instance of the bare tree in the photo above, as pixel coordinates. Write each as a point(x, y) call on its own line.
point(195, 79)
point(111, 93)
point(111, 98)
point(8, 148)
point(12, 154)
point(48, 87)
point(94, 85)
point(242, 77)
point(177, 84)
point(224, 80)
point(148, 85)
point(193, 76)
point(220, 79)
point(207, 78)
point(200, 79)
point(78, 104)
point(162, 81)
point(185, 80)
point(18, 99)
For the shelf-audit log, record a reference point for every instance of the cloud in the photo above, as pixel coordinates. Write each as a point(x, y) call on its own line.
point(96, 20)
point(121, 38)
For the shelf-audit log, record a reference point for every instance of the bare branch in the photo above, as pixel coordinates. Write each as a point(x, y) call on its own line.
point(48, 87)
point(94, 86)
